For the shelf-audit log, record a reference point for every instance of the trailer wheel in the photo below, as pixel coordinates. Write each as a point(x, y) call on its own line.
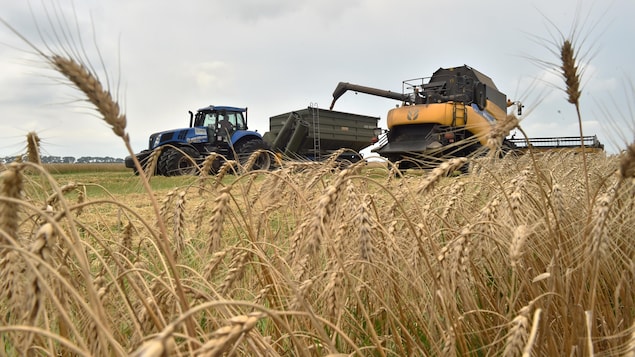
point(178, 161)
point(245, 150)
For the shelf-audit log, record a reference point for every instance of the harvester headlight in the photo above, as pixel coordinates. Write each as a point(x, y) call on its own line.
point(449, 137)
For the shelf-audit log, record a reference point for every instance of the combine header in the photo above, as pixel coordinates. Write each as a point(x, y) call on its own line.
point(591, 143)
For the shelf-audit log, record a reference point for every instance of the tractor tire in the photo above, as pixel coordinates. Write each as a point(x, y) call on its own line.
point(244, 151)
point(177, 162)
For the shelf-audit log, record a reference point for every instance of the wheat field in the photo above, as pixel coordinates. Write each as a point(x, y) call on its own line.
point(524, 255)
point(511, 259)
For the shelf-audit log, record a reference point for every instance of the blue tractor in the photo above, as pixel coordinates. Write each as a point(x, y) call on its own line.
point(213, 129)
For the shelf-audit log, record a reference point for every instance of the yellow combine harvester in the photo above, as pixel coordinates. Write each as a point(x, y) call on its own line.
point(447, 115)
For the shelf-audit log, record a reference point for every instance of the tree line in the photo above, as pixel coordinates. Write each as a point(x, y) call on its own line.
point(65, 159)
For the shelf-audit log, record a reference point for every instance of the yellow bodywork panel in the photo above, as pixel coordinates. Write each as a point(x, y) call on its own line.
point(443, 113)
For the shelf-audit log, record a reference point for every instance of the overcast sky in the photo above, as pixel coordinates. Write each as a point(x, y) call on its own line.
point(162, 59)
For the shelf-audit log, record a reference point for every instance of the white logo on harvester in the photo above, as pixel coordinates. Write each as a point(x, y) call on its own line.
point(413, 114)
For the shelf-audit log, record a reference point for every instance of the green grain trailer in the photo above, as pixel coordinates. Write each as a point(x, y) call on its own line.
point(314, 133)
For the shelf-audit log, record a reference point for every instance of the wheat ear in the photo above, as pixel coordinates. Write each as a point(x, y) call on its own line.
point(11, 186)
point(627, 163)
point(226, 336)
point(518, 333)
point(517, 244)
point(570, 72)
point(179, 224)
point(89, 84)
point(365, 230)
point(217, 218)
point(33, 148)
point(500, 130)
point(440, 171)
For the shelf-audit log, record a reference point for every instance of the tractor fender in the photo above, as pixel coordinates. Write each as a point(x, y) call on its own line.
point(242, 135)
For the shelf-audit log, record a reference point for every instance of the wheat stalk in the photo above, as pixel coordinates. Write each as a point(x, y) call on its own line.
point(571, 75)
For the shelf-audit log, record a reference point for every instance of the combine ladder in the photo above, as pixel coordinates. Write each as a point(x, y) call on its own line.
point(459, 118)
point(459, 113)
point(315, 111)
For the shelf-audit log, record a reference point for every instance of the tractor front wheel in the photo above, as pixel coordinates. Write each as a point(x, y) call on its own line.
point(178, 161)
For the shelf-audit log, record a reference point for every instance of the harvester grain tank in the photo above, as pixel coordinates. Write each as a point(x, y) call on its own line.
point(446, 115)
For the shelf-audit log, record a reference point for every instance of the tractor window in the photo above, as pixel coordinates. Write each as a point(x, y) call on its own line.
point(237, 120)
point(210, 120)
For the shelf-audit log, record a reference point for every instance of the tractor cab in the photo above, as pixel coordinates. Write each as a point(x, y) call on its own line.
point(221, 122)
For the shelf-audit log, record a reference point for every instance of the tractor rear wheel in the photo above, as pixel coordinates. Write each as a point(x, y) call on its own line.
point(178, 161)
point(245, 150)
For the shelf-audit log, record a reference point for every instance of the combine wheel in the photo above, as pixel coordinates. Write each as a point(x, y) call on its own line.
point(181, 161)
point(246, 148)
point(508, 148)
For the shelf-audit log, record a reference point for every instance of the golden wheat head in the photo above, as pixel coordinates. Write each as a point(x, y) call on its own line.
point(89, 84)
